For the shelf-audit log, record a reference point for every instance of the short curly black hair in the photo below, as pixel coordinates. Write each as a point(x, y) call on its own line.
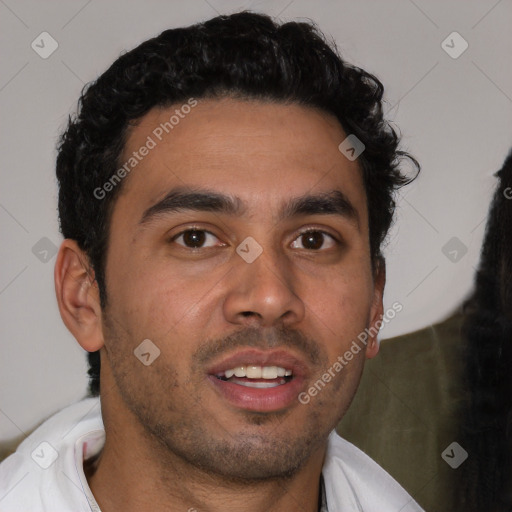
point(244, 55)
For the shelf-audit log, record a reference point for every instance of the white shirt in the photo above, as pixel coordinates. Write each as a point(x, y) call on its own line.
point(46, 471)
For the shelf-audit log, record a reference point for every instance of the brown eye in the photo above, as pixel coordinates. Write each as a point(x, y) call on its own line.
point(314, 241)
point(195, 238)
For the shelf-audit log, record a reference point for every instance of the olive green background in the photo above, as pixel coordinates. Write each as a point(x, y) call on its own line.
point(407, 411)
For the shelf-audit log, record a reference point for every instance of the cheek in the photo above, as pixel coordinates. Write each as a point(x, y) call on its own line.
point(341, 308)
point(164, 305)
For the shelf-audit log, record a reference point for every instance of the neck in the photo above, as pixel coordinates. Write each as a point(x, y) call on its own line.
point(137, 473)
point(128, 478)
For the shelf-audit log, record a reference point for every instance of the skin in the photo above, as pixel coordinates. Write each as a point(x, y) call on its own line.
point(172, 441)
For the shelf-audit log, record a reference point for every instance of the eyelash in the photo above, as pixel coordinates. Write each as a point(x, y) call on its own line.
point(314, 230)
point(302, 233)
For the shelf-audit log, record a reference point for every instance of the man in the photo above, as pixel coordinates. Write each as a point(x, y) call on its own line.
point(224, 193)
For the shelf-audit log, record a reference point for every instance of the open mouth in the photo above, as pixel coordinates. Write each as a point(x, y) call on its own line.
point(252, 380)
point(254, 376)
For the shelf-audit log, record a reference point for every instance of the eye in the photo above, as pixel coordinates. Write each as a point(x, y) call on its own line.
point(195, 239)
point(314, 240)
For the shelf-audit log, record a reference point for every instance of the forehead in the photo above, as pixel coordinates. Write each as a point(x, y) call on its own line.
point(257, 151)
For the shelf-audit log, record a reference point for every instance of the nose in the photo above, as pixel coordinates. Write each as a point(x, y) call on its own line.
point(263, 294)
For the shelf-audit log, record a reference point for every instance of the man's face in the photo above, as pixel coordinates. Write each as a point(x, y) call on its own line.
point(191, 281)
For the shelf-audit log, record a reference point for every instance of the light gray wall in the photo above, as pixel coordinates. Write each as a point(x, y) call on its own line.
point(455, 115)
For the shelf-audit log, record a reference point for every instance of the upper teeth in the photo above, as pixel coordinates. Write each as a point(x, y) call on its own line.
point(257, 372)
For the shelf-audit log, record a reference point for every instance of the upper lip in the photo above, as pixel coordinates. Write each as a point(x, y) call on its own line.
point(253, 357)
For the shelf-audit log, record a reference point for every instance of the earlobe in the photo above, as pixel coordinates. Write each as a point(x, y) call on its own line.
point(377, 310)
point(78, 296)
point(373, 347)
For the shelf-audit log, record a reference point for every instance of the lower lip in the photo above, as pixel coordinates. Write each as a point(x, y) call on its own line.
point(257, 399)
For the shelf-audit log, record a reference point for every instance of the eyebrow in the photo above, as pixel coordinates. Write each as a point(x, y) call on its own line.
point(182, 199)
point(327, 203)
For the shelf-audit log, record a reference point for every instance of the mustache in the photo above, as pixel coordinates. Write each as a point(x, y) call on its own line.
point(264, 339)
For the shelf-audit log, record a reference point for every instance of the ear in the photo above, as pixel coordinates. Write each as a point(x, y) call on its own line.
point(377, 309)
point(78, 296)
